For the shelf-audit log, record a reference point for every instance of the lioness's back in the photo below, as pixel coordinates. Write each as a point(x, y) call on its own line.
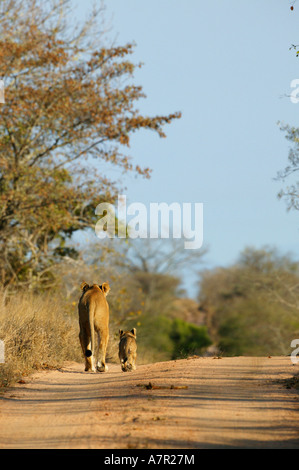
point(94, 299)
point(94, 317)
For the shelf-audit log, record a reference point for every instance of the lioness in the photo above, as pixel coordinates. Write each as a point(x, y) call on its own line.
point(127, 350)
point(94, 316)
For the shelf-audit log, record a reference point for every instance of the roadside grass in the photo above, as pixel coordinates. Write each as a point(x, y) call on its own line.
point(37, 332)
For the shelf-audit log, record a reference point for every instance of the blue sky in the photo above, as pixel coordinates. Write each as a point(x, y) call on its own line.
point(227, 67)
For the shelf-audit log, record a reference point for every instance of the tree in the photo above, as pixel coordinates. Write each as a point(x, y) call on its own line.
point(161, 256)
point(251, 307)
point(70, 110)
point(291, 192)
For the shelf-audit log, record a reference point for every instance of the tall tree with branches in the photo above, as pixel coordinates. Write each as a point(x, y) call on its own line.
point(289, 175)
point(69, 112)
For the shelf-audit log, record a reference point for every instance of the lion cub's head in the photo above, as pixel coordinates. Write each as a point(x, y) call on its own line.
point(127, 350)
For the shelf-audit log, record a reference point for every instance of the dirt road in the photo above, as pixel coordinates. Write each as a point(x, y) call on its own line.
point(189, 404)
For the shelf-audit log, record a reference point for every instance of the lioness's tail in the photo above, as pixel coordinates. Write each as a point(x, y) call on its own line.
point(90, 352)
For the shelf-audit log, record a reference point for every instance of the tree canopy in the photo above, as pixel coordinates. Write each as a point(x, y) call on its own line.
point(251, 307)
point(290, 193)
point(69, 112)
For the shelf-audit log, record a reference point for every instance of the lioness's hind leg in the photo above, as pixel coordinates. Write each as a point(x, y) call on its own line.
point(86, 349)
point(89, 364)
point(82, 342)
point(101, 352)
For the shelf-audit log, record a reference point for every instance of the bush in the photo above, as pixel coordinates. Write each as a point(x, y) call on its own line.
point(188, 338)
point(161, 339)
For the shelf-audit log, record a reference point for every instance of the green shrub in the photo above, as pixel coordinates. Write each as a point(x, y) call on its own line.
point(188, 338)
point(160, 338)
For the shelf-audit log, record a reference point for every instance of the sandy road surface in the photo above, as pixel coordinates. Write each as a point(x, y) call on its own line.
point(215, 403)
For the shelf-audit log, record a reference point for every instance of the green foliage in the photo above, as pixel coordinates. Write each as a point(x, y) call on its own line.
point(153, 336)
point(188, 339)
point(161, 338)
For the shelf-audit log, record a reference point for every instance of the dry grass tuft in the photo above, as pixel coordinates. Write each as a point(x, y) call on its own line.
point(37, 332)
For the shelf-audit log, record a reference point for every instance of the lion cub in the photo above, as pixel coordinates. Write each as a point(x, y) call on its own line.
point(127, 350)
